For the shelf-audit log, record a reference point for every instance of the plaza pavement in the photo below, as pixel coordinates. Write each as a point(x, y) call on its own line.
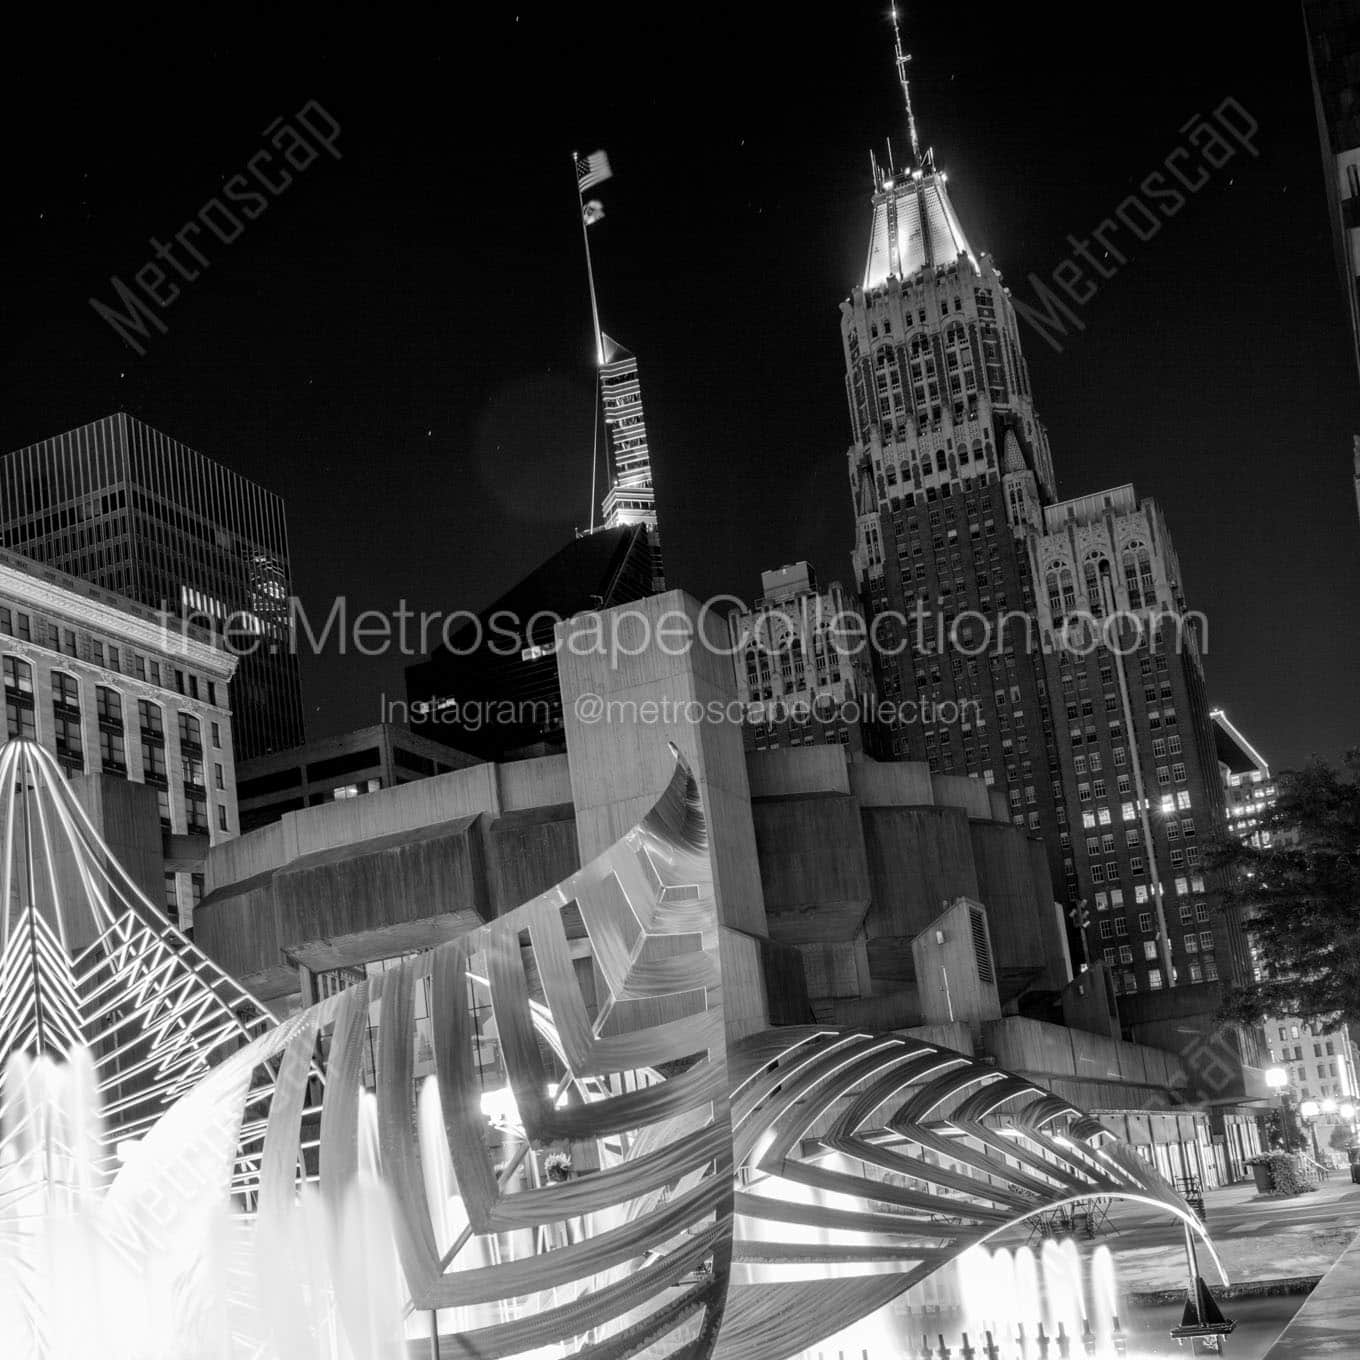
point(1264, 1243)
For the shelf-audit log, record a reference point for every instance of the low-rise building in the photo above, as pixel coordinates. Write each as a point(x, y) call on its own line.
point(334, 768)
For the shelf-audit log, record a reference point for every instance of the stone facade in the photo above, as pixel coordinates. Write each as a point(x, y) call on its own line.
point(108, 689)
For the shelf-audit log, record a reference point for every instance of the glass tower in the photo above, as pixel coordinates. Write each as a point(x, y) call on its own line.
point(132, 510)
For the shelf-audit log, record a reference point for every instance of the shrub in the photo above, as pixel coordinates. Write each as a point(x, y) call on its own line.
point(1286, 1174)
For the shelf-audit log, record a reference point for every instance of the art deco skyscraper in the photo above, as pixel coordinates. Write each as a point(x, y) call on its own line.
point(1016, 631)
point(126, 507)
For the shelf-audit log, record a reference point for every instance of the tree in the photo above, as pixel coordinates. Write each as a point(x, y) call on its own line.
point(1341, 1137)
point(1299, 899)
point(1283, 1132)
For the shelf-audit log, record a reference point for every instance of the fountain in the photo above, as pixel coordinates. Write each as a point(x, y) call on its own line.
point(454, 1155)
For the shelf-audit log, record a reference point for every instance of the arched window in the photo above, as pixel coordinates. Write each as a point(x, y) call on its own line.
point(1138, 581)
point(1062, 590)
point(66, 722)
point(1095, 596)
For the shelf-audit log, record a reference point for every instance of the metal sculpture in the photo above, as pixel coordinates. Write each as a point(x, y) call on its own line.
point(533, 1137)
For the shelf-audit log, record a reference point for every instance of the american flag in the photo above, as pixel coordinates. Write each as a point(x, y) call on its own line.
point(592, 170)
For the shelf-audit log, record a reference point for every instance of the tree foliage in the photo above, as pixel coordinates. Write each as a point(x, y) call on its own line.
point(1299, 899)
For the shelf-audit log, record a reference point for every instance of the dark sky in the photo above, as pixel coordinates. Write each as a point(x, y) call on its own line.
point(400, 344)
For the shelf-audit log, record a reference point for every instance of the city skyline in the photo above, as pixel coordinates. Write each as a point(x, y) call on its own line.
point(335, 333)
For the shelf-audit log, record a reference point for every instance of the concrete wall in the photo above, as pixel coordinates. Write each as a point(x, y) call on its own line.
point(543, 782)
point(661, 665)
point(1039, 1049)
point(812, 866)
point(798, 769)
point(382, 895)
point(893, 784)
point(1088, 1002)
point(919, 858)
point(1014, 885)
point(527, 852)
point(660, 670)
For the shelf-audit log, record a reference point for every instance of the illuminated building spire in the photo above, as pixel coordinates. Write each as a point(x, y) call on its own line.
point(903, 58)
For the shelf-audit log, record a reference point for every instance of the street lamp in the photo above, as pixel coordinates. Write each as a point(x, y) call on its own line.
point(1310, 1110)
point(1277, 1078)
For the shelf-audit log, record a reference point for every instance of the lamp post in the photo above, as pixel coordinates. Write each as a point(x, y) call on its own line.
point(1277, 1078)
point(1310, 1110)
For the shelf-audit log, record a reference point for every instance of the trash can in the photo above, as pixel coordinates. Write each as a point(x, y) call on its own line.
point(1265, 1183)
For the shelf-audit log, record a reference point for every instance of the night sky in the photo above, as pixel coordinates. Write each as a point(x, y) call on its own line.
point(400, 345)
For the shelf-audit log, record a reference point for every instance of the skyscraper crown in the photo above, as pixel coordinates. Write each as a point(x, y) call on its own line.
point(914, 226)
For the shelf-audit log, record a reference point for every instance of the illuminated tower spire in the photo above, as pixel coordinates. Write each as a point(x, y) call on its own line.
point(631, 499)
point(903, 58)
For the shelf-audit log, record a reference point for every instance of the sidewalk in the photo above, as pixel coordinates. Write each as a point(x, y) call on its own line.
point(1264, 1243)
point(1329, 1321)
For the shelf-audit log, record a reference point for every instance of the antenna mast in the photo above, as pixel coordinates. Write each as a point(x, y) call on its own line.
point(902, 59)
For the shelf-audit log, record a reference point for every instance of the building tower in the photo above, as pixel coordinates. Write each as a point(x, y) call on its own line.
point(800, 667)
point(1320, 1062)
point(129, 509)
point(1333, 29)
point(631, 498)
point(949, 466)
point(1034, 621)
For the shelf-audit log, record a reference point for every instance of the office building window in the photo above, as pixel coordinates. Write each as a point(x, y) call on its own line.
point(152, 723)
point(19, 719)
point(112, 751)
point(66, 722)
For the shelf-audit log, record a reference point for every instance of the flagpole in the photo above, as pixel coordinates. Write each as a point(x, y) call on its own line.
point(595, 322)
point(590, 268)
